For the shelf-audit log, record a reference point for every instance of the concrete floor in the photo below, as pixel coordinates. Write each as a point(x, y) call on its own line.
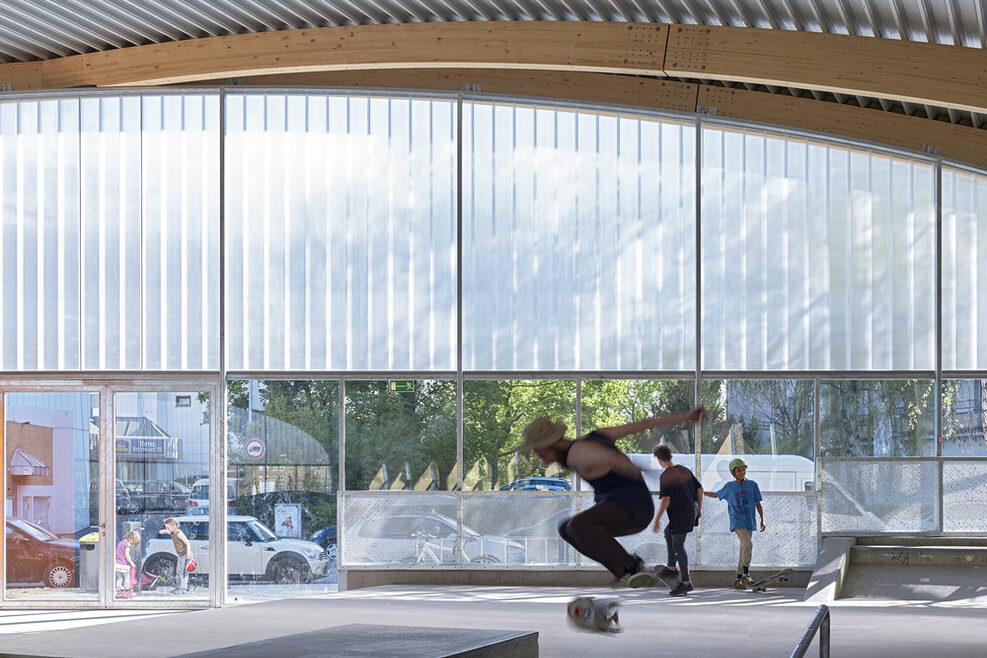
point(710, 622)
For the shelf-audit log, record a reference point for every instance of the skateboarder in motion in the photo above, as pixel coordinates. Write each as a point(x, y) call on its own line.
point(743, 496)
point(623, 502)
point(682, 498)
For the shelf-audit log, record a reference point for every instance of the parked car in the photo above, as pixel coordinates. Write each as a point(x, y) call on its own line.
point(35, 555)
point(158, 495)
point(252, 551)
point(426, 538)
point(124, 503)
point(326, 538)
point(538, 484)
point(198, 497)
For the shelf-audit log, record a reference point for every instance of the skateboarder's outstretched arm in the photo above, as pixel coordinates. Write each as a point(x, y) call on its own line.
point(614, 433)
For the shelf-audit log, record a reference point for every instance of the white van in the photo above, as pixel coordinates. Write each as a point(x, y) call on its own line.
point(771, 472)
point(198, 497)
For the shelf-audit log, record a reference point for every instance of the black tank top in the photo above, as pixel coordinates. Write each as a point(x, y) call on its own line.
point(631, 494)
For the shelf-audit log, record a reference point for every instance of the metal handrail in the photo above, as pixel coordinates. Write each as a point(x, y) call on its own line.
point(819, 622)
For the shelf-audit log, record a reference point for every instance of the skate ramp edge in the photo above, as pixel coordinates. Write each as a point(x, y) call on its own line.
point(832, 564)
point(376, 640)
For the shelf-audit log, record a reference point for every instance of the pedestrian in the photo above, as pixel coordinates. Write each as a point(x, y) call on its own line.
point(743, 497)
point(124, 561)
point(623, 502)
point(682, 499)
point(183, 549)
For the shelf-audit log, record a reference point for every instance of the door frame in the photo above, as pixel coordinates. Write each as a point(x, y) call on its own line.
point(107, 387)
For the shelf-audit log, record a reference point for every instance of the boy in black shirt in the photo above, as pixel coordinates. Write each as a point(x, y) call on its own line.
point(682, 498)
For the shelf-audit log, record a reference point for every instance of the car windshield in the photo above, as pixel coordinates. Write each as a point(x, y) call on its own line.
point(261, 530)
point(200, 492)
point(35, 531)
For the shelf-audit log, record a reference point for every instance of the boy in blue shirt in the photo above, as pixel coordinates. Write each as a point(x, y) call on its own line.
point(743, 496)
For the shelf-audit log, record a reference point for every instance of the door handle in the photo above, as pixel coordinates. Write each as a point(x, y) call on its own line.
point(268, 548)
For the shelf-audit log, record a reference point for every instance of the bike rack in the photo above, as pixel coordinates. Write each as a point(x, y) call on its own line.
point(819, 622)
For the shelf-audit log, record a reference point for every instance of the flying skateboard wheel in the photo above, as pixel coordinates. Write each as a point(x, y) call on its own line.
point(594, 614)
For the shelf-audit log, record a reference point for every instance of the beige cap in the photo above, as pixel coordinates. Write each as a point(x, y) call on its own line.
point(541, 433)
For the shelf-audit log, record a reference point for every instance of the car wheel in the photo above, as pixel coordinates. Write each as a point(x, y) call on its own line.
point(331, 549)
point(60, 574)
point(133, 506)
point(289, 571)
point(486, 559)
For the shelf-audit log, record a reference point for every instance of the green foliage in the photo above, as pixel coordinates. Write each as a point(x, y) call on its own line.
point(767, 415)
point(886, 418)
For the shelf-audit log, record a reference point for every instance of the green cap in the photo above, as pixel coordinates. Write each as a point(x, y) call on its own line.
point(734, 463)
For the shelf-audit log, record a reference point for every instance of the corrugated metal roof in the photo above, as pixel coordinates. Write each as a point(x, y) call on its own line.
point(33, 30)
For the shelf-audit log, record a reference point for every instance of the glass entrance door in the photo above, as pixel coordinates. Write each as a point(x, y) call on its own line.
point(51, 446)
point(161, 535)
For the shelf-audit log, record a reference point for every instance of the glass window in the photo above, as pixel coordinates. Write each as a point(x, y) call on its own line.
point(494, 415)
point(51, 459)
point(611, 402)
point(578, 240)
point(282, 449)
point(877, 418)
point(815, 256)
point(161, 448)
point(769, 423)
point(963, 416)
point(399, 439)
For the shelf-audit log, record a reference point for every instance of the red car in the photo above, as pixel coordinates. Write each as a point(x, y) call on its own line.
point(34, 556)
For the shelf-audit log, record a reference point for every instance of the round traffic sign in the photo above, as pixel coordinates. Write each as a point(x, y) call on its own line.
point(254, 448)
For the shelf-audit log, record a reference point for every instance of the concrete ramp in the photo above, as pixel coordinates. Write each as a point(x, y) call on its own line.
point(917, 569)
point(374, 640)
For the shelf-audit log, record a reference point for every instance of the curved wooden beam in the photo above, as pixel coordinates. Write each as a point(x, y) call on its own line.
point(962, 143)
point(929, 74)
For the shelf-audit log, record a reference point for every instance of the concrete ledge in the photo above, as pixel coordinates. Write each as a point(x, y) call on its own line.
point(831, 567)
point(350, 579)
point(912, 554)
point(376, 640)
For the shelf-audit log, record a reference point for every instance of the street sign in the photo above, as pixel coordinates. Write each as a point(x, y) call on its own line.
point(254, 448)
point(403, 386)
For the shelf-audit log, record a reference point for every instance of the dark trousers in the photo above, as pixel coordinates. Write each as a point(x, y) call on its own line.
point(675, 543)
point(592, 533)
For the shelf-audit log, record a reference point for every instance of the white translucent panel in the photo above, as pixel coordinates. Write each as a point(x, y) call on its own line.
point(180, 232)
point(963, 433)
point(815, 256)
point(578, 240)
point(789, 539)
point(964, 496)
point(649, 545)
point(528, 521)
point(111, 232)
point(39, 235)
point(340, 232)
point(861, 496)
point(964, 269)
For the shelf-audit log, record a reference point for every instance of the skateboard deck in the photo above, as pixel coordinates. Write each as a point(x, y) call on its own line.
point(762, 585)
point(595, 613)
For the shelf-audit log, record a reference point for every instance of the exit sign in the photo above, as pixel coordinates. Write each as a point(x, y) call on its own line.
point(403, 386)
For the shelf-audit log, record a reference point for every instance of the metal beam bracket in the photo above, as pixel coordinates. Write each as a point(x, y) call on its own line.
point(709, 110)
point(932, 150)
point(6, 86)
point(474, 87)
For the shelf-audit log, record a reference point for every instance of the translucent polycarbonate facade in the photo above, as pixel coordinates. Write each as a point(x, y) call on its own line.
point(815, 256)
point(578, 240)
point(340, 232)
point(964, 269)
point(110, 233)
point(39, 235)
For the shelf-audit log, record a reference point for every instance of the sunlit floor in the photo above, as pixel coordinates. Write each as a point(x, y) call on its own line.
point(709, 622)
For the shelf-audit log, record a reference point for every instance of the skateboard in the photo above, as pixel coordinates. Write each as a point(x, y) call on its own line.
point(594, 613)
point(762, 585)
